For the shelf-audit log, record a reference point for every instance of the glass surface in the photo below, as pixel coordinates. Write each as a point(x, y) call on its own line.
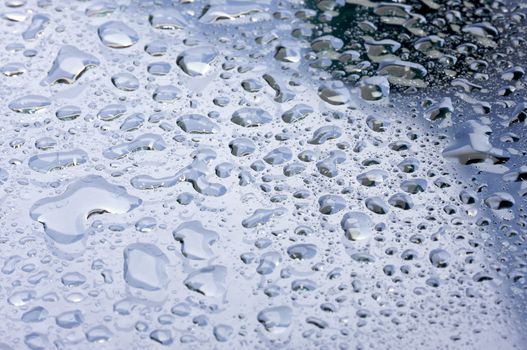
point(263, 174)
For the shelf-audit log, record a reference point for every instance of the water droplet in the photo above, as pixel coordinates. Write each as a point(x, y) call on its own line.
point(29, 104)
point(209, 281)
point(65, 216)
point(145, 267)
point(195, 240)
point(69, 65)
point(197, 60)
point(117, 35)
point(276, 319)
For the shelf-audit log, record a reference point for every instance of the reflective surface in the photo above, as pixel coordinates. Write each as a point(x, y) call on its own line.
point(263, 175)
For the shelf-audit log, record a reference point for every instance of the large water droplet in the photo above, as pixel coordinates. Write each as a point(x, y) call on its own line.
point(65, 217)
point(117, 35)
point(145, 267)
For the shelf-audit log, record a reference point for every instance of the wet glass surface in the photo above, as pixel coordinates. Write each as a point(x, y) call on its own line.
point(263, 174)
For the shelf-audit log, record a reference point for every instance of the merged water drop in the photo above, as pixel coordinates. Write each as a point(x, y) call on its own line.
point(65, 217)
point(69, 65)
point(145, 267)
